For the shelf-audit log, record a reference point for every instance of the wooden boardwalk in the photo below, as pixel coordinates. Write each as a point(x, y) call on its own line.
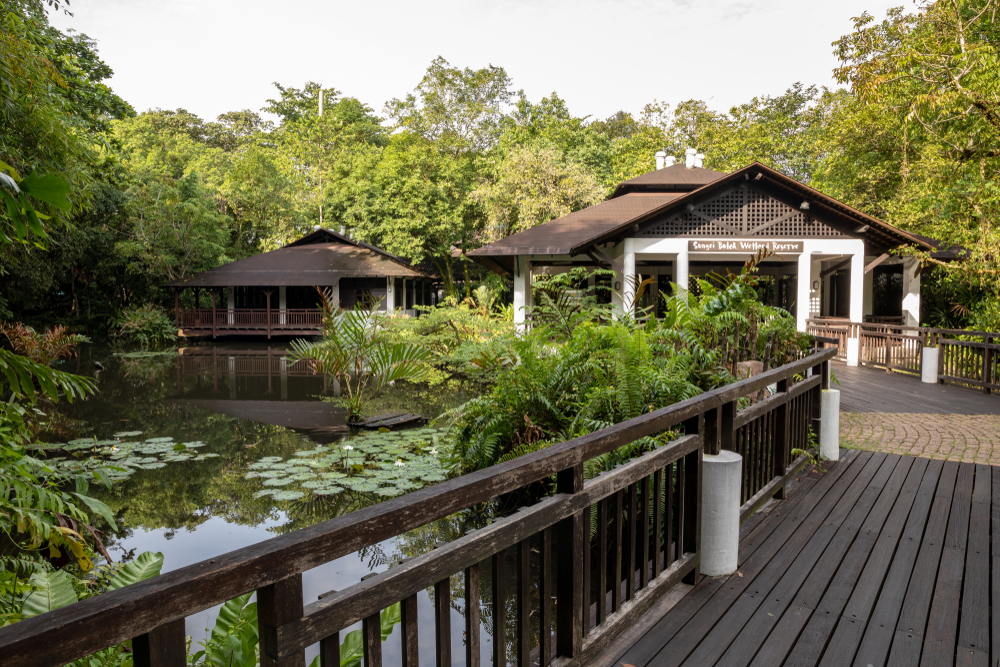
point(874, 390)
point(883, 560)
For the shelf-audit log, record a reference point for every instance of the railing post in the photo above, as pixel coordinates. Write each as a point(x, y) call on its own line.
point(691, 490)
point(278, 605)
point(714, 439)
point(165, 646)
point(177, 308)
point(987, 365)
point(569, 546)
point(213, 315)
point(782, 434)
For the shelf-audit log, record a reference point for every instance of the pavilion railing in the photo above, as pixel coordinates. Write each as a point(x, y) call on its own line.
point(646, 540)
point(970, 358)
point(245, 363)
point(229, 320)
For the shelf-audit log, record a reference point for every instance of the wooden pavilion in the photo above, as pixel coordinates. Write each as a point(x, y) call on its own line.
point(279, 292)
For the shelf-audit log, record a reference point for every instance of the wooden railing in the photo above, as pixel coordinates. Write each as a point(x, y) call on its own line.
point(962, 358)
point(235, 320)
point(647, 539)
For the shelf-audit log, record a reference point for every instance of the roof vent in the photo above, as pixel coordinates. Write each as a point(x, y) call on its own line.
point(689, 157)
point(661, 158)
point(669, 161)
point(699, 160)
point(315, 228)
point(343, 231)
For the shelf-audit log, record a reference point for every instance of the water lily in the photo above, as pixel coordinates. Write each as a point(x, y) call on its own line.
point(399, 463)
point(434, 451)
point(347, 448)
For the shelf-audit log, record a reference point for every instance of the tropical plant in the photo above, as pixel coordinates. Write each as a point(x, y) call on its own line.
point(147, 325)
point(357, 352)
point(44, 348)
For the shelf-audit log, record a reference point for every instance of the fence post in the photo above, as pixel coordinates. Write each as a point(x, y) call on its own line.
point(782, 433)
point(987, 365)
point(278, 605)
point(165, 646)
point(720, 496)
point(213, 314)
point(569, 545)
point(691, 521)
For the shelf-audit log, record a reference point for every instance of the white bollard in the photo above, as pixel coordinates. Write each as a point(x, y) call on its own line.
point(720, 513)
point(853, 351)
point(829, 428)
point(929, 364)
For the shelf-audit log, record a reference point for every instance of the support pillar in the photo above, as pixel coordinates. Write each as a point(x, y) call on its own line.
point(522, 288)
point(803, 289)
point(829, 426)
point(720, 513)
point(390, 299)
point(282, 305)
point(681, 270)
point(911, 292)
point(629, 284)
point(868, 307)
point(857, 286)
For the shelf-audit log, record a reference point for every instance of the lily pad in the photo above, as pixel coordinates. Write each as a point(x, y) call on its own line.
point(288, 495)
point(127, 434)
point(279, 481)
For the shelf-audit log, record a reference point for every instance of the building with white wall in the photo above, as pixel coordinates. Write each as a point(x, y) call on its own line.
point(679, 221)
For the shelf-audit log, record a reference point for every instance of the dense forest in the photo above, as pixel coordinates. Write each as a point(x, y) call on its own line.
point(913, 137)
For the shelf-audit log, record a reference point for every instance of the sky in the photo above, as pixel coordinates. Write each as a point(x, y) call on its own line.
point(213, 56)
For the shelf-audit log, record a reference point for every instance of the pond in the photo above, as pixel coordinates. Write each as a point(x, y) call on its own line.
point(217, 447)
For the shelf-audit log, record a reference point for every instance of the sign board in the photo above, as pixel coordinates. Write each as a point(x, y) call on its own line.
point(744, 246)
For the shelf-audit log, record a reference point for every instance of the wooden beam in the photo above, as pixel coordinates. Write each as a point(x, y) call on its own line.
point(875, 262)
point(835, 267)
point(600, 257)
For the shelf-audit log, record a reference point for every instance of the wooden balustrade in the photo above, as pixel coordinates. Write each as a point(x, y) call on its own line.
point(646, 539)
point(962, 359)
point(249, 320)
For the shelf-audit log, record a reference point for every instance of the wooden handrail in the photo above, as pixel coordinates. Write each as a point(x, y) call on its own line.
point(152, 609)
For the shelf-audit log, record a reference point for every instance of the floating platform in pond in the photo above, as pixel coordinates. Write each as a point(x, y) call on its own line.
point(388, 420)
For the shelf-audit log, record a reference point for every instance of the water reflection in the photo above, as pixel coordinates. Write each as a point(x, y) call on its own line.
point(245, 402)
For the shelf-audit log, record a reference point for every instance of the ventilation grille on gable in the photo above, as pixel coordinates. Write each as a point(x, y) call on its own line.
point(744, 212)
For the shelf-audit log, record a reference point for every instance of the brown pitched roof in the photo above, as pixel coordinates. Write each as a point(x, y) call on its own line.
point(318, 258)
point(618, 217)
point(676, 178)
point(560, 236)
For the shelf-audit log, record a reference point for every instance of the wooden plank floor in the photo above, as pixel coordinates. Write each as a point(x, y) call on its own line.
point(883, 560)
point(873, 390)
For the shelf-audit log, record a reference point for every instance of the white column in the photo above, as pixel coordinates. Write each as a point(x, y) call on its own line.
point(858, 285)
point(230, 304)
point(829, 425)
point(803, 285)
point(628, 281)
point(720, 513)
point(681, 268)
point(815, 288)
point(869, 293)
point(521, 285)
point(390, 296)
point(911, 292)
point(282, 304)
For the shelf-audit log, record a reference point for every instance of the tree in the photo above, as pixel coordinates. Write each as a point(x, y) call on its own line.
point(532, 185)
point(935, 76)
point(462, 110)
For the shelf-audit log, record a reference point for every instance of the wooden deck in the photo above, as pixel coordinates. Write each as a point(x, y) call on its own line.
point(883, 560)
point(873, 390)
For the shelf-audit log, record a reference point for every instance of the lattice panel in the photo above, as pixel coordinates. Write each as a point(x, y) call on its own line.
point(748, 210)
point(686, 224)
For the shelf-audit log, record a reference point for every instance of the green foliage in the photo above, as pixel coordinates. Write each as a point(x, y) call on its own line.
point(356, 351)
point(148, 326)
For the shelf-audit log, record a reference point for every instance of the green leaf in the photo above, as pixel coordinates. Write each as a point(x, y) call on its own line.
point(146, 565)
point(50, 189)
point(99, 508)
point(234, 636)
point(52, 591)
point(352, 649)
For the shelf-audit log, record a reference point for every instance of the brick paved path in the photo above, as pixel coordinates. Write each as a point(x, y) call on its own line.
point(895, 413)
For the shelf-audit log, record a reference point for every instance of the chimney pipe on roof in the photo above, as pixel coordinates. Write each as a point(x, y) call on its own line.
point(660, 159)
point(689, 157)
point(315, 228)
point(699, 160)
point(669, 161)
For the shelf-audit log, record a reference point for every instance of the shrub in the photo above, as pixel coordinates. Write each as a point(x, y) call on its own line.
point(43, 348)
point(147, 326)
